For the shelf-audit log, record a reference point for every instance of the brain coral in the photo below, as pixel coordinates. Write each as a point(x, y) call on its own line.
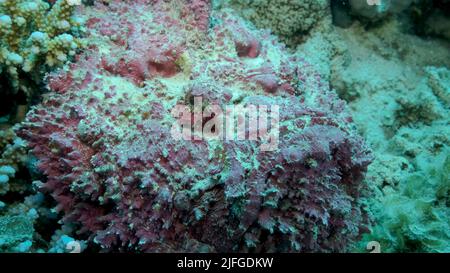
point(103, 139)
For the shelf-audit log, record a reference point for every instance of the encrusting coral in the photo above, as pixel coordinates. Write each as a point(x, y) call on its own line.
point(103, 138)
point(410, 137)
point(34, 37)
point(289, 19)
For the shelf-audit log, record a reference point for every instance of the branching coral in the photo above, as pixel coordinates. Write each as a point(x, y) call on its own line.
point(23, 211)
point(18, 215)
point(104, 139)
point(34, 37)
point(12, 156)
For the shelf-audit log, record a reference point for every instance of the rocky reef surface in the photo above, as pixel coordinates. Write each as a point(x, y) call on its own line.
point(362, 154)
point(393, 69)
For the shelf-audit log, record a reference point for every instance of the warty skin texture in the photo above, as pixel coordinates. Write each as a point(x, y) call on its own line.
point(102, 137)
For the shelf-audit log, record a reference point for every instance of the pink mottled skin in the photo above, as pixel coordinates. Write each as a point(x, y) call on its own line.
point(201, 10)
point(266, 78)
point(246, 44)
point(102, 136)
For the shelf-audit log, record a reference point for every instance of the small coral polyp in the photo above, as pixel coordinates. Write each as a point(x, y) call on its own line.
point(103, 139)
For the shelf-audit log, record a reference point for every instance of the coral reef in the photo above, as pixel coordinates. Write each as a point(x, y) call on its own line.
point(16, 218)
point(413, 213)
point(12, 157)
point(26, 226)
point(289, 19)
point(16, 231)
point(103, 138)
point(26, 216)
point(35, 37)
point(98, 163)
point(410, 136)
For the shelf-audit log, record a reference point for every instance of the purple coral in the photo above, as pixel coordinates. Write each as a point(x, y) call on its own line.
point(103, 139)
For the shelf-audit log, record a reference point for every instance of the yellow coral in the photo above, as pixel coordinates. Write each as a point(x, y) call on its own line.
point(32, 34)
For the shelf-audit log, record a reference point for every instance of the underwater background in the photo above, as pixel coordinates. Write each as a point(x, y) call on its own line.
point(88, 161)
